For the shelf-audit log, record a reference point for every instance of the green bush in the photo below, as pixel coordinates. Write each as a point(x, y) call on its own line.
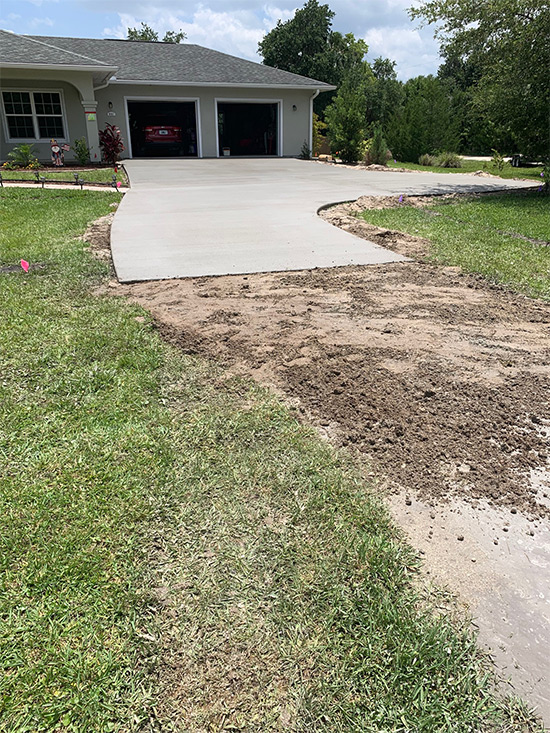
point(319, 129)
point(345, 118)
point(22, 156)
point(81, 151)
point(378, 152)
point(427, 159)
point(497, 161)
point(448, 160)
point(305, 152)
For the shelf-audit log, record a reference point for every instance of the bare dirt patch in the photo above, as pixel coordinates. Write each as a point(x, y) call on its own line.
point(387, 169)
point(437, 377)
point(440, 380)
point(98, 236)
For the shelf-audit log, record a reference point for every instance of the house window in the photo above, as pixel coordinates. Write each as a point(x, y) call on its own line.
point(34, 115)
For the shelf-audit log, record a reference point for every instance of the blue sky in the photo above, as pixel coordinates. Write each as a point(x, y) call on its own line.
point(232, 26)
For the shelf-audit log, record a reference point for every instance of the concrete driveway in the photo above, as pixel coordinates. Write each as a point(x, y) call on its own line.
point(188, 218)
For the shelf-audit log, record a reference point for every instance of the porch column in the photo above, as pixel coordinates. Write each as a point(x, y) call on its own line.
point(90, 112)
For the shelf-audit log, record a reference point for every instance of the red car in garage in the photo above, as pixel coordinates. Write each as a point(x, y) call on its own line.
point(160, 132)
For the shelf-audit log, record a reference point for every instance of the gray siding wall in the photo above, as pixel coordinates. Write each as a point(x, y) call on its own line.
point(295, 123)
point(74, 115)
point(295, 127)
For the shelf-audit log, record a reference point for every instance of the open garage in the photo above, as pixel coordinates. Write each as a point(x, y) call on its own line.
point(163, 128)
point(248, 128)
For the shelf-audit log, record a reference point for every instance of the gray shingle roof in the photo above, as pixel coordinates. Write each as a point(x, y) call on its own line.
point(184, 63)
point(15, 49)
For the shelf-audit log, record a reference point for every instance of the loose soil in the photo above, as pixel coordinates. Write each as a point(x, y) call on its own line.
point(438, 379)
point(387, 169)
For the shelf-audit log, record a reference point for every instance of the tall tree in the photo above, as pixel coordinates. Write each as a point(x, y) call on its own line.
point(146, 33)
point(509, 42)
point(384, 93)
point(345, 118)
point(307, 45)
point(425, 122)
point(479, 134)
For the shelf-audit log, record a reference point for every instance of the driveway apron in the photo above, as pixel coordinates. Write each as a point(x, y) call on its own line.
point(190, 218)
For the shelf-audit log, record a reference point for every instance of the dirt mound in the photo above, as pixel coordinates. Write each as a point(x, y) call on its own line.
point(438, 378)
point(98, 236)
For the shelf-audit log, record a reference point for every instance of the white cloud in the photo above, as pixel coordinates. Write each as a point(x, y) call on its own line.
point(237, 32)
point(272, 14)
point(414, 51)
point(37, 22)
point(236, 26)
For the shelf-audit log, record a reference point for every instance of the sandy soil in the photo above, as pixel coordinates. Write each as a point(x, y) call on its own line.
point(386, 169)
point(440, 380)
point(437, 378)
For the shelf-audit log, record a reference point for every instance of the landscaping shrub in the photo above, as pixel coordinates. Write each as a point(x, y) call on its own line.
point(377, 152)
point(427, 159)
point(319, 129)
point(305, 152)
point(110, 142)
point(81, 151)
point(449, 160)
point(22, 156)
point(497, 161)
point(346, 122)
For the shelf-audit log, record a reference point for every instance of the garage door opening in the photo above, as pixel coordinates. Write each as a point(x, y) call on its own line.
point(248, 128)
point(159, 129)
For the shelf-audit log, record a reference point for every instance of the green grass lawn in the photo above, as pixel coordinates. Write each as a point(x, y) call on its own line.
point(480, 234)
point(93, 175)
point(470, 166)
point(164, 523)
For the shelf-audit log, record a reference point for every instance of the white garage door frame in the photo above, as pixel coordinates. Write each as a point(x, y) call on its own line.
point(198, 124)
point(278, 102)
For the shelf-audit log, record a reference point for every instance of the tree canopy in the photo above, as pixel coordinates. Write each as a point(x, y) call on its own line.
point(424, 122)
point(146, 33)
point(507, 44)
point(307, 45)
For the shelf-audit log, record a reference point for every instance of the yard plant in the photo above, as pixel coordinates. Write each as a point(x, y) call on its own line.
point(22, 156)
point(178, 551)
point(110, 142)
point(81, 150)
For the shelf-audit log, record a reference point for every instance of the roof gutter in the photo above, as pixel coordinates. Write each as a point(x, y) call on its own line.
point(106, 82)
point(150, 82)
point(59, 67)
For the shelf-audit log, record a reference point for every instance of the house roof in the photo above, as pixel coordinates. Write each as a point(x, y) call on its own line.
point(26, 50)
point(184, 63)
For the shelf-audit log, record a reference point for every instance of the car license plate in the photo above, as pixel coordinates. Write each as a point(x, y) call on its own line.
point(163, 132)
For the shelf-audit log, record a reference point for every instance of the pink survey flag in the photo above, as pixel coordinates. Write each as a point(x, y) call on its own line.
point(25, 265)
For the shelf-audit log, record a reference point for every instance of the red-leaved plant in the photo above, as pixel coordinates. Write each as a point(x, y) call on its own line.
point(110, 142)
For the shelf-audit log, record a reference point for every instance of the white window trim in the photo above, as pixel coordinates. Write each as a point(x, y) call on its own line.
point(35, 139)
point(257, 100)
point(198, 121)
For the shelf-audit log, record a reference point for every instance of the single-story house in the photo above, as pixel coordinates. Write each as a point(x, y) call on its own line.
point(212, 104)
